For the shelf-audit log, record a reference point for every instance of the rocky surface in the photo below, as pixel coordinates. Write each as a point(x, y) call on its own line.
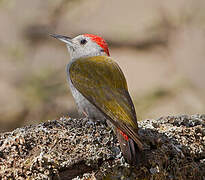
point(75, 148)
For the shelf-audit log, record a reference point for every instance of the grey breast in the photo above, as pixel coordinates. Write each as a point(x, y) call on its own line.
point(84, 106)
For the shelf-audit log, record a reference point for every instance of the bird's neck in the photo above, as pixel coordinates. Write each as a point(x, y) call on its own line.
point(74, 57)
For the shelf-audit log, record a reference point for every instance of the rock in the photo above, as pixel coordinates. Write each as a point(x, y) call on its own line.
point(76, 149)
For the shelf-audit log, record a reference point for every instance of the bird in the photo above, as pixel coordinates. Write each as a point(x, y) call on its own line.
point(100, 90)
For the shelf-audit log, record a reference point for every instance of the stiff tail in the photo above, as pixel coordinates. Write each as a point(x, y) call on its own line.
point(128, 147)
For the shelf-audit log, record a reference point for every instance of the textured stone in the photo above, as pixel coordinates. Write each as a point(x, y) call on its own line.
point(75, 148)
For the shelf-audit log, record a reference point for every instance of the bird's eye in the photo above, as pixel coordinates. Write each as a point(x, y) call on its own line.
point(83, 41)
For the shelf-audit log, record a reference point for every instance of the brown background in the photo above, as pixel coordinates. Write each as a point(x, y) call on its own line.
point(160, 45)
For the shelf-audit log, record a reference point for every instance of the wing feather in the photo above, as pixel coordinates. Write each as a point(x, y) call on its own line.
point(102, 82)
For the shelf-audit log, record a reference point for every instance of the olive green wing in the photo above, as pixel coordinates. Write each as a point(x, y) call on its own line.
point(102, 82)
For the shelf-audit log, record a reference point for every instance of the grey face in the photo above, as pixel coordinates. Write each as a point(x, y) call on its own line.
point(81, 46)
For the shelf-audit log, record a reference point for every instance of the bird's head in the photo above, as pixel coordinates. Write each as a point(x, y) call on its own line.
point(84, 45)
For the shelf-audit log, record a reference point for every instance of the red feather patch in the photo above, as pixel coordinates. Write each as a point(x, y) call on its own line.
point(100, 41)
point(124, 135)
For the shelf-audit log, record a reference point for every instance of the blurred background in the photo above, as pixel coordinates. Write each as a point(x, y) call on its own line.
point(160, 46)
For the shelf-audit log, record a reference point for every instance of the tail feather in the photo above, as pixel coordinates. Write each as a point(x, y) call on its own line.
point(129, 148)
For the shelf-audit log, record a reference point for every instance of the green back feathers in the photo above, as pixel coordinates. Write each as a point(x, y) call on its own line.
point(102, 82)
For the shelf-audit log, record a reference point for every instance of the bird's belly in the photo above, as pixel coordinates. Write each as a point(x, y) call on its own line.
point(85, 108)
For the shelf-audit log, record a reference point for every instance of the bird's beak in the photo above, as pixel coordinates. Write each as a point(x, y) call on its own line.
point(65, 39)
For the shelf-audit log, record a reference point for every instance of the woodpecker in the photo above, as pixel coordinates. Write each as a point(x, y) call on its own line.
point(100, 90)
